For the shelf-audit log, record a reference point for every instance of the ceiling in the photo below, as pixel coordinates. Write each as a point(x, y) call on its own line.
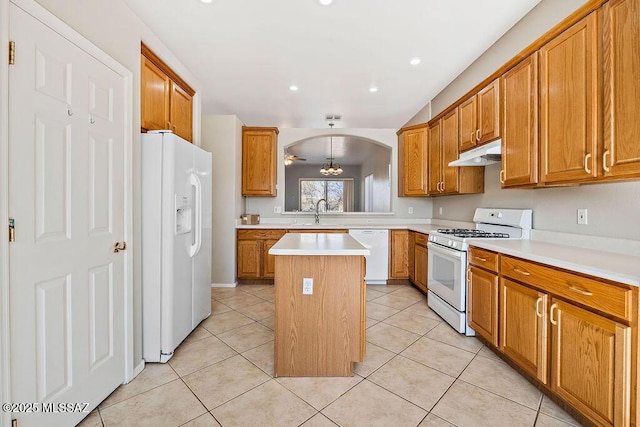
point(347, 150)
point(247, 53)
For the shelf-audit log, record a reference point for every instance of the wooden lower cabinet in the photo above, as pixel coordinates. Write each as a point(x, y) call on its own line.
point(411, 256)
point(249, 256)
point(399, 254)
point(253, 259)
point(523, 327)
point(421, 272)
point(590, 363)
point(482, 310)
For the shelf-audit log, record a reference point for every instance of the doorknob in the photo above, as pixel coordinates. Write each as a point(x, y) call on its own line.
point(117, 247)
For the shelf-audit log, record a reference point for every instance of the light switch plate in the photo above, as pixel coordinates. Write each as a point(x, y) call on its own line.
point(277, 209)
point(307, 286)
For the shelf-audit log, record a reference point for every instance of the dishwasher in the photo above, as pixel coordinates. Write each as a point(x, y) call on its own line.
point(377, 241)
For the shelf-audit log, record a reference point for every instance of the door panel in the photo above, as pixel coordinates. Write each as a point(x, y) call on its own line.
point(66, 193)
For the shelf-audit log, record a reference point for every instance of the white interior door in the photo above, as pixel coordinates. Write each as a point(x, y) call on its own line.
point(66, 137)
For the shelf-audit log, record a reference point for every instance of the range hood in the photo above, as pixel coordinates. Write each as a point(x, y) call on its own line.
point(481, 156)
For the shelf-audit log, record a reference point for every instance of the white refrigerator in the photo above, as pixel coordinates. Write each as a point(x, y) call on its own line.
point(176, 241)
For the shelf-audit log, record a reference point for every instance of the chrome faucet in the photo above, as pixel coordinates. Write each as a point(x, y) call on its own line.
point(318, 207)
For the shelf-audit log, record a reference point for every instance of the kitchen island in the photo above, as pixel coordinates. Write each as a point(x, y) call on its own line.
point(319, 304)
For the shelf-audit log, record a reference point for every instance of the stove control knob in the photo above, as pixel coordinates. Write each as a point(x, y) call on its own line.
point(455, 244)
point(449, 242)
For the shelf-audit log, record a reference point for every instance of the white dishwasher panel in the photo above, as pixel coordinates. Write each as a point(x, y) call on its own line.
point(377, 241)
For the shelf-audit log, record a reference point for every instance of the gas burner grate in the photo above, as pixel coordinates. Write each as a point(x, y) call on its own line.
point(475, 234)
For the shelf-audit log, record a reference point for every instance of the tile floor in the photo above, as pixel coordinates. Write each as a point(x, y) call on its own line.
point(417, 372)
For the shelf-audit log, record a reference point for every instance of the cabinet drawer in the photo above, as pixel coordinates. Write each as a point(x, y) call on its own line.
point(317, 230)
point(483, 258)
point(422, 239)
point(254, 234)
point(605, 297)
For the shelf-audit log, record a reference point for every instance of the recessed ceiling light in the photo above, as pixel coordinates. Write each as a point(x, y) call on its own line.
point(293, 88)
point(415, 61)
point(373, 89)
point(325, 2)
point(206, 1)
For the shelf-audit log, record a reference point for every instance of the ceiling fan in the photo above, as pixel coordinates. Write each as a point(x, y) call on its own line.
point(290, 158)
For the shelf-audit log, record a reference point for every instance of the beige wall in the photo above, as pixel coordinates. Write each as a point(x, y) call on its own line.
point(115, 29)
point(612, 208)
point(222, 136)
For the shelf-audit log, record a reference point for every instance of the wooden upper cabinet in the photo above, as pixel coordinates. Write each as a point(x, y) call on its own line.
point(569, 104)
point(435, 158)
point(480, 117)
point(520, 124)
point(412, 161)
point(259, 147)
point(468, 119)
point(155, 94)
point(450, 184)
point(621, 155)
point(166, 100)
point(181, 112)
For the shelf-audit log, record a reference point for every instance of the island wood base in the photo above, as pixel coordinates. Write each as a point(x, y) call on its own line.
point(322, 334)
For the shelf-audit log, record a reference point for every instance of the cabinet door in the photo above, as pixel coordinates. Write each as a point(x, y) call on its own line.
point(414, 148)
point(489, 113)
point(259, 162)
point(249, 256)
point(590, 363)
point(435, 158)
point(411, 264)
point(569, 104)
point(483, 304)
point(468, 123)
point(450, 152)
point(154, 96)
point(523, 327)
point(621, 156)
point(520, 124)
point(268, 261)
point(181, 112)
point(420, 256)
point(399, 254)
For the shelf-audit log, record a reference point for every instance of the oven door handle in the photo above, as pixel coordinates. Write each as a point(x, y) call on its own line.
point(450, 253)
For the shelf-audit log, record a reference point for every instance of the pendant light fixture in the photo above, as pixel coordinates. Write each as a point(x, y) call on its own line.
point(329, 168)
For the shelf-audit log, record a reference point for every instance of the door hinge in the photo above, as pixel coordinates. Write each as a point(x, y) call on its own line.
point(12, 52)
point(12, 230)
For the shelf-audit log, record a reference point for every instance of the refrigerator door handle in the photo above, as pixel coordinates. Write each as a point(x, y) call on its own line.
point(197, 229)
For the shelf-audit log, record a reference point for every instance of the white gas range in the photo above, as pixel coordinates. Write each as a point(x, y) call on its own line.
point(447, 259)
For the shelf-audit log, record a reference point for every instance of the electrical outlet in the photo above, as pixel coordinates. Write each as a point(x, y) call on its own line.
point(410, 210)
point(369, 221)
point(440, 210)
point(307, 286)
point(582, 216)
point(277, 209)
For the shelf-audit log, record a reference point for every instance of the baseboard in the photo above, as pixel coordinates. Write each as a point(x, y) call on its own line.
point(223, 285)
point(136, 371)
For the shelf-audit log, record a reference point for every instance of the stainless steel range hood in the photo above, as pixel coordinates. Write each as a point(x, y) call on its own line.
point(481, 156)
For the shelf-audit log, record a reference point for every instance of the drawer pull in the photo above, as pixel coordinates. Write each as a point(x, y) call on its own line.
point(523, 272)
point(468, 276)
point(538, 310)
point(604, 161)
point(502, 176)
point(580, 291)
point(480, 258)
point(551, 319)
point(477, 134)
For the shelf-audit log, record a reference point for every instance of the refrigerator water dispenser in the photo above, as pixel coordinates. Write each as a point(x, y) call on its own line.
point(183, 214)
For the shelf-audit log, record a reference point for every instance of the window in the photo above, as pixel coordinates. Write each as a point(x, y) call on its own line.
point(337, 192)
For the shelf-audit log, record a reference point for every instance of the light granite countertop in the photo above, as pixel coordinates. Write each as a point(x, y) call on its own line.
point(618, 267)
point(318, 244)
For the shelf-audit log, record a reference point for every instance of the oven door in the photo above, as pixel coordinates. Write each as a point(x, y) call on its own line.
point(446, 276)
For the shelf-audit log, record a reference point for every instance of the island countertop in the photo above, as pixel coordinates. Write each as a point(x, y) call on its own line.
point(318, 244)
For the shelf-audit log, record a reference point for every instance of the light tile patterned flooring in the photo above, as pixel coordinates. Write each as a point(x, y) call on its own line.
point(417, 372)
